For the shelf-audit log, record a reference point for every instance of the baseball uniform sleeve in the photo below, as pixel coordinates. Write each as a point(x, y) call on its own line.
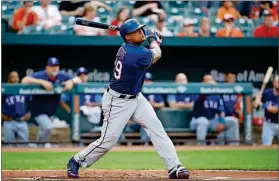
point(98, 98)
point(221, 107)
point(38, 75)
point(64, 76)
point(171, 98)
point(264, 97)
point(65, 98)
point(160, 99)
point(146, 57)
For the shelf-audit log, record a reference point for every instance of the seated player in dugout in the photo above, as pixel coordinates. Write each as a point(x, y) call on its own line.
point(181, 101)
point(45, 106)
point(156, 100)
point(90, 104)
point(269, 101)
point(233, 102)
point(14, 115)
point(209, 115)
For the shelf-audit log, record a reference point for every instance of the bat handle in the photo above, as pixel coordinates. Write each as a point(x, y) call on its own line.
point(112, 27)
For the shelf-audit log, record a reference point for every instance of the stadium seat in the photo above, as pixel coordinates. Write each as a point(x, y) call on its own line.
point(173, 118)
point(36, 3)
point(177, 4)
point(60, 30)
point(212, 12)
point(194, 13)
point(129, 4)
point(258, 22)
point(3, 26)
point(33, 30)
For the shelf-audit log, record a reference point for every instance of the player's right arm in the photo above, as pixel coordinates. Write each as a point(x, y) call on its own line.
point(179, 104)
point(63, 102)
point(4, 117)
point(34, 79)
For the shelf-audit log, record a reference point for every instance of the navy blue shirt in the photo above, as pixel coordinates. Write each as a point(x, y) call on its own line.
point(14, 105)
point(268, 99)
point(181, 98)
point(131, 64)
point(47, 104)
point(157, 98)
point(208, 106)
point(230, 101)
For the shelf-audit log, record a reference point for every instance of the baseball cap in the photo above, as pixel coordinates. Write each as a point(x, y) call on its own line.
point(52, 61)
point(189, 21)
point(228, 17)
point(266, 13)
point(81, 70)
point(148, 76)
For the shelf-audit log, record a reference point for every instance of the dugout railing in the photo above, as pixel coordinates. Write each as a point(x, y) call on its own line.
point(245, 89)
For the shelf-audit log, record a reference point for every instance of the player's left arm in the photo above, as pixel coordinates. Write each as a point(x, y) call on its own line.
point(69, 84)
point(154, 40)
point(221, 110)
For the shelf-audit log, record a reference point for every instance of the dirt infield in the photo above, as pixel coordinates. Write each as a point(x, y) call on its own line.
point(88, 174)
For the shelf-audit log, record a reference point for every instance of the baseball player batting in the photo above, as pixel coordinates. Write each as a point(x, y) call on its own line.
point(124, 101)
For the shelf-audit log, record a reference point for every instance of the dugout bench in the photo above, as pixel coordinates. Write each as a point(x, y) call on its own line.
point(176, 122)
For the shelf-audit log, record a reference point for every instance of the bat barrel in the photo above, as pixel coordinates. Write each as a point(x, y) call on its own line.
point(93, 24)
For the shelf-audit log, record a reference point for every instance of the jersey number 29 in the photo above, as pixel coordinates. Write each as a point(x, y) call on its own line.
point(117, 69)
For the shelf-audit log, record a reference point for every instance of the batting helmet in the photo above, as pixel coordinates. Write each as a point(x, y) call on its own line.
point(129, 26)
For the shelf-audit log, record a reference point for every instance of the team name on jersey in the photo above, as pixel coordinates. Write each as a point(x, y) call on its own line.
point(231, 97)
point(210, 104)
point(12, 100)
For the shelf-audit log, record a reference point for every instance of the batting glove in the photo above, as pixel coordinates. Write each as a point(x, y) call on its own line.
point(150, 35)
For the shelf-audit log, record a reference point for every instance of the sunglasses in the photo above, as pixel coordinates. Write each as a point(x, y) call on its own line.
point(229, 20)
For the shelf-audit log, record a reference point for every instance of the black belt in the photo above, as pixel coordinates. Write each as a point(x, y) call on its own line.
point(123, 96)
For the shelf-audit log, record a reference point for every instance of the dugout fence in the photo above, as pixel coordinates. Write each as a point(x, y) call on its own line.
point(245, 89)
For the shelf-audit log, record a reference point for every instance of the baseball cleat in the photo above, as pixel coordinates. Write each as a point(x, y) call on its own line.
point(179, 172)
point(72, 168)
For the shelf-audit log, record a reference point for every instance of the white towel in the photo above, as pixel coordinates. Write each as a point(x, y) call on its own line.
point(93, 114)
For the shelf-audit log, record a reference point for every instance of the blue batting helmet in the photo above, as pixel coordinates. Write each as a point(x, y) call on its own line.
point(129, 26)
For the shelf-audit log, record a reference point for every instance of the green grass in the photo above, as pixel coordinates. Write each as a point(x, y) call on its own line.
point(200, 159)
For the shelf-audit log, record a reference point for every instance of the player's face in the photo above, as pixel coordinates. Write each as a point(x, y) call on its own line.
point(205, 24)
point(188, 28)
point(228, 24)
point(231, 78)
point(84, 78)
point(228, 4)
point(181, 79)
point(124, 15)
point(268, 21)
point(45, 2)
point(91, 13)
point(28, 5)
point(160, 25)
point(52, 70)
point(13, 77)
point(137, 37)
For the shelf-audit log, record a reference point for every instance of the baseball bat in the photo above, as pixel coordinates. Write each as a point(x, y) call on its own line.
point(266, 79)
point(94, 24)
